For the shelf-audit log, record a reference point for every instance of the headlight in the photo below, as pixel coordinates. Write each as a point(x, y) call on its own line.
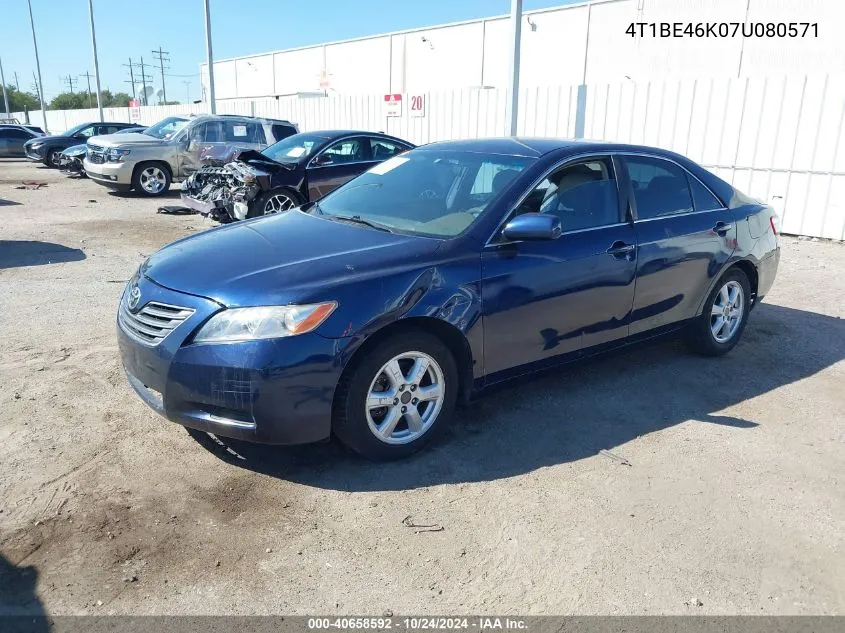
point(116, 155)
point(248, 324)
point(37, 145)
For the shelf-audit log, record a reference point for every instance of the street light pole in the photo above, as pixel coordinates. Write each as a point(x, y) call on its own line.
point(210, 59)
point(5, 94)
point(516, 37)
point(38, 66)
point(96, 63)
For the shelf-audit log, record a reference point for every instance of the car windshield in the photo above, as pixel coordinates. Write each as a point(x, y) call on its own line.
point(166, 128)
point(293, 148)
point(76, 129)
point(428, 192)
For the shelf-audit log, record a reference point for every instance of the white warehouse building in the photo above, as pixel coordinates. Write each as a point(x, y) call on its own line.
point(583, 43)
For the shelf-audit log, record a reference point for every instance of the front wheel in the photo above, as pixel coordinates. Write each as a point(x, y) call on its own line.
point(398, 398)
point(718, 328)
point(275, 201)
point(52, 159)
point(151, 179)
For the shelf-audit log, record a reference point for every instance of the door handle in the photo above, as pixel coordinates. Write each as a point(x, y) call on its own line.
point(722, 227)
point(620, 249)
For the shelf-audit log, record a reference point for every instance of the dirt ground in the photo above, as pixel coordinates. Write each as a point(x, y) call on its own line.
point(731, 497)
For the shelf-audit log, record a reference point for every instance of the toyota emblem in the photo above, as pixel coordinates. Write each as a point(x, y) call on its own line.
point(134, 297)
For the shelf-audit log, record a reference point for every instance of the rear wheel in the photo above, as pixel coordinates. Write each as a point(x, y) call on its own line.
point(717, 330)
point(274, 201)
point(398, 398)
point(151, 179)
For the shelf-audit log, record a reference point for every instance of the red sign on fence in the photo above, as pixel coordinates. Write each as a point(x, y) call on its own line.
point(393, 104)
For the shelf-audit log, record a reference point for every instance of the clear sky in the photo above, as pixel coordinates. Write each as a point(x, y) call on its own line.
point(133, 28)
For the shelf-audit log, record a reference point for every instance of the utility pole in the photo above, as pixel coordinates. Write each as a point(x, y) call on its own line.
point(516, 37)
point(144, 81)
point(88, 76)
point(5, 94)
point(187, 90)
point(96, 62)
point(162, 56)
point(38, 66)
point(70, 81)
point(131, 78)
point(209, 59)
point(17, 85)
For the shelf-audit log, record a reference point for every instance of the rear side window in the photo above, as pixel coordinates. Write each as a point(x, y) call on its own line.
point(14, 133)
point(244, 132)
point(660, 187)
point(701, 196)
point(383, 149)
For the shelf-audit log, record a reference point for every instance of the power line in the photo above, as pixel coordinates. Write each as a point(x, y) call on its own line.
point(162, 56)
point(70, 81)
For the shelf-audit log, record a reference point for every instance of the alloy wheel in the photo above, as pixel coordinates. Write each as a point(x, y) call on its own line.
point(727, 312)
point(405, 398)
point(277, 203)
point(153, 179)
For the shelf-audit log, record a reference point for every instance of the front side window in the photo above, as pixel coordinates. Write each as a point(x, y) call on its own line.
point(87, 132)
point(660, 187)
point(583, 196)
point(348, 151)
point(423, 192)
point(294, 148)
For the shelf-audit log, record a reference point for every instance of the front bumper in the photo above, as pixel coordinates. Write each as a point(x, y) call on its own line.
point(274, 391)
point(204, 207)
point(114, 175)
point(34, 154)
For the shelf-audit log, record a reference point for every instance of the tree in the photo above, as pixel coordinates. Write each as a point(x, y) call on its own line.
point(118, 100)
point(69, 101)
point(20, 101)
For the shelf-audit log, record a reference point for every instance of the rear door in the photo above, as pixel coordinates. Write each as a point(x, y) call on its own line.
point(336, 164)
point(684, 236)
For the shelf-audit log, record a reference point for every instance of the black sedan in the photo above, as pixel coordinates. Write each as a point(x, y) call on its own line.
point(47, 149)
point(296, 170)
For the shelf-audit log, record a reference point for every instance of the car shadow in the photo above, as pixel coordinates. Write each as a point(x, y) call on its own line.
point(4, 202)
point(16, 253)
point(20, 608)
point(574, 413)
point(171, 194)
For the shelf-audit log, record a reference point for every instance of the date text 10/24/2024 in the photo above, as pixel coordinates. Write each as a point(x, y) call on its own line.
point(723, 29)
point(418, 623)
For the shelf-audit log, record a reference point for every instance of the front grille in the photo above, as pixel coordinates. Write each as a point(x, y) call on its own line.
point(152, 322)
point(95, 153)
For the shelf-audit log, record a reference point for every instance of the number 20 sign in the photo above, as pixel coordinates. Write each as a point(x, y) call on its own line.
point(417, 105)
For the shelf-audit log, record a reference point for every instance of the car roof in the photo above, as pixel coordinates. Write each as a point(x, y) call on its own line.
point(535, 147)
point(327, 134)
point(242, 117)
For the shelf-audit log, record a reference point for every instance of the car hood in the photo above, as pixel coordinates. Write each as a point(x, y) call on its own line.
point(289, 258)
point(47, 139)
point(75, 149)
point(133, 138)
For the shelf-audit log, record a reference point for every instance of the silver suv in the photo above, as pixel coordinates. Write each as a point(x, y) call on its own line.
point(174, 148)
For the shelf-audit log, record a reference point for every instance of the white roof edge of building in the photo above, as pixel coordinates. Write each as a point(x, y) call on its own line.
point(574, 5)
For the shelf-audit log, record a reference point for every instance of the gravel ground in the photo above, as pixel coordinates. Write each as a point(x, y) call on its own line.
point(730, 499)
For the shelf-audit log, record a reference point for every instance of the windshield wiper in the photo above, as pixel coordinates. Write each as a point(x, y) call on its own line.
point(357, 219)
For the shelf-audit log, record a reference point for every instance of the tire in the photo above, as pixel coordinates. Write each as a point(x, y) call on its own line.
point(286, 198)
point(51, 160)
point(357, 422)
point(151, 179)
point(704, 336)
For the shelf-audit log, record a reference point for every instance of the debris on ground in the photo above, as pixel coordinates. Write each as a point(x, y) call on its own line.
point(621, 460)
point(695, 602)
point(408, 521)
point(31, 184)
point(176, 210)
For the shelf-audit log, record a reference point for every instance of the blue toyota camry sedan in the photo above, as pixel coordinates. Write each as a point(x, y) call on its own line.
point(436, 274)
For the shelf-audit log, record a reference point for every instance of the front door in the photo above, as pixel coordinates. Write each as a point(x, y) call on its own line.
point(337, 164)
point(685, 236)
point(545, 301)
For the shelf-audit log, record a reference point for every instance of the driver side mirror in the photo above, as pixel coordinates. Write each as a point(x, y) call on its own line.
point(321, 160)
point(532, 227)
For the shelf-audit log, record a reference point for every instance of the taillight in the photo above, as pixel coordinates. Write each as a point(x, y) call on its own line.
point(775, 223)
